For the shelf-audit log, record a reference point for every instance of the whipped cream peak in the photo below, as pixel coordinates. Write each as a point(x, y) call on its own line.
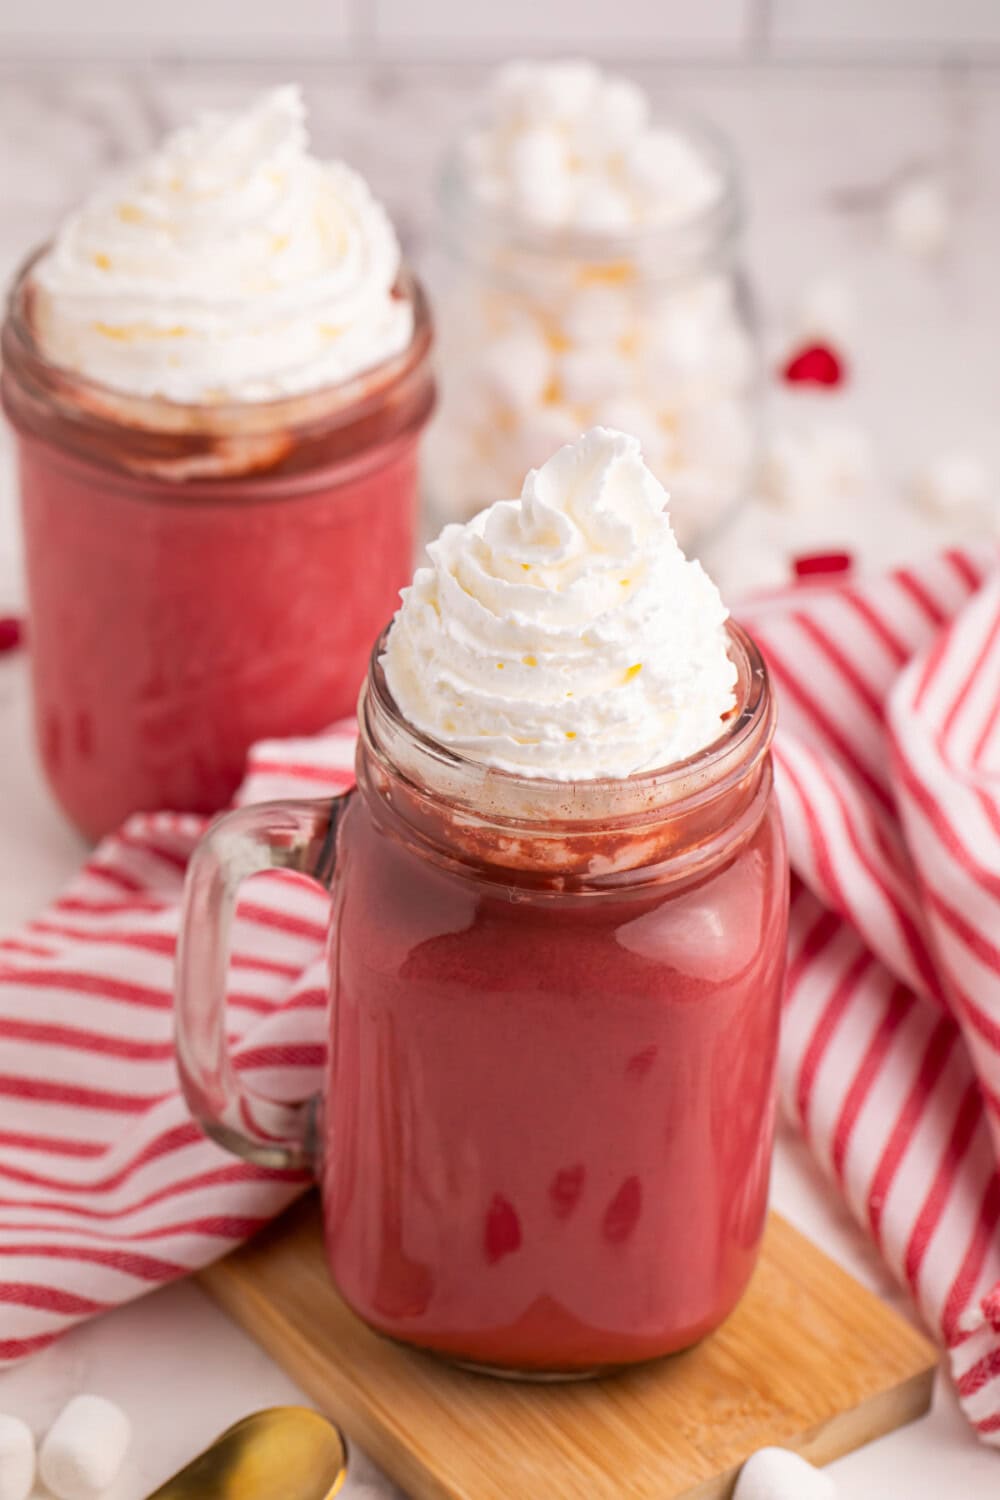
point(564, 634)
point(565, 145)
point(230, 266)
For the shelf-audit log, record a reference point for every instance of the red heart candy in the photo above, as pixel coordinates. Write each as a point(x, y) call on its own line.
point(817, 364)
point(11, 633)
point(814, 563)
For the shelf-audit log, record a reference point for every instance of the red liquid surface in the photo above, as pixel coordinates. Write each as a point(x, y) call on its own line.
point(169, 629)
point(549, 1119)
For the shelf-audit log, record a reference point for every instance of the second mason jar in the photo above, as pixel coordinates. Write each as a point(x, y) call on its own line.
point(217, 374)
point(545, 331)
point(201, 577)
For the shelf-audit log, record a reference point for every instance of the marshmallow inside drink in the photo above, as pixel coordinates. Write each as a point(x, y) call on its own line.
point(592, 277)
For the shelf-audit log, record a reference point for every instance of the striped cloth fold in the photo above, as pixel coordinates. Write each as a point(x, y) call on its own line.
point(888, 773)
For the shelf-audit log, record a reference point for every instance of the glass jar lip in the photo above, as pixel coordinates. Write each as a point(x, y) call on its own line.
point(96, 404)
point(649, 793)
point(654, 245)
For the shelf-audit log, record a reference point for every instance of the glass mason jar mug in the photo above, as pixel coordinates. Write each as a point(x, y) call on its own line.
point(202, 576)
point(545, 1136)
point(545, 332)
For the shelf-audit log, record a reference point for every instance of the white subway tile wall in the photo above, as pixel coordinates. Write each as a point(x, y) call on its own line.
point(907, 29)
point(178, 29)
point(877, 30)
point(665, 28)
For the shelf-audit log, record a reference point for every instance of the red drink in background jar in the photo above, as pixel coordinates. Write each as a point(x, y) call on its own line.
point(198, 586)
point(219, 505)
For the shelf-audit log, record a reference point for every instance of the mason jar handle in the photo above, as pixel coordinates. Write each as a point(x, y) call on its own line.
point(297, 836)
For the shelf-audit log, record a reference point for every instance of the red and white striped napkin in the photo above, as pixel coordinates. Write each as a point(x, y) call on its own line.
point(888, 761)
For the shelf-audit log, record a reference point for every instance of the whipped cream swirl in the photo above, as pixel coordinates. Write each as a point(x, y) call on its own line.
point(565, 635)
point(230, 266)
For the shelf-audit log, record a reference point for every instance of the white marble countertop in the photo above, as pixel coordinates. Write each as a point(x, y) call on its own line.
point(819, 143)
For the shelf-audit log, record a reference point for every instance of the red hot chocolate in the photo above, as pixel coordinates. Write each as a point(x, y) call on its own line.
point(549, 1101)
point(217, 377)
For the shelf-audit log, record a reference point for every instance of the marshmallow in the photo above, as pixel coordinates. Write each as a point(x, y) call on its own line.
point(919, 216)
point(680, 344)
point(84, 1449)
point(516, 369)
point(486, 314)
point(587, 376)
point(956, 484)
point(596, 315)
point(620, 113)
point(565, 143)
point(544, 336)
point(561, 90)
point(469, 416)
point(539, 174)
point(777, 1474)
point(661, 163)
point(694, 346)
point(825, 311)
point(805, 470)
point(17, 1459)
point(601, 207)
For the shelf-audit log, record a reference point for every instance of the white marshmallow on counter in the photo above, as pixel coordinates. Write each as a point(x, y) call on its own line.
point(807, 469)
point(777, 1474)
point(84, 1448)
point(919, 216)
point(956, 485)
point(17, 1459)
point(825, 311)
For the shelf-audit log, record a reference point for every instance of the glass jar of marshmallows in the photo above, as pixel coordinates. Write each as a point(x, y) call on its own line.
point(593, 276)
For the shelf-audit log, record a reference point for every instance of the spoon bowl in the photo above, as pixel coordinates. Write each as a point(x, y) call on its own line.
point(283, 1453)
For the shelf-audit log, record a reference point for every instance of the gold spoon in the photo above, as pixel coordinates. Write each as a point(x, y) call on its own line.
point(284, 1453)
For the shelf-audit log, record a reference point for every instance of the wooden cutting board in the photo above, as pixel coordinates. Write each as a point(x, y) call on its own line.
point(810, 1360)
